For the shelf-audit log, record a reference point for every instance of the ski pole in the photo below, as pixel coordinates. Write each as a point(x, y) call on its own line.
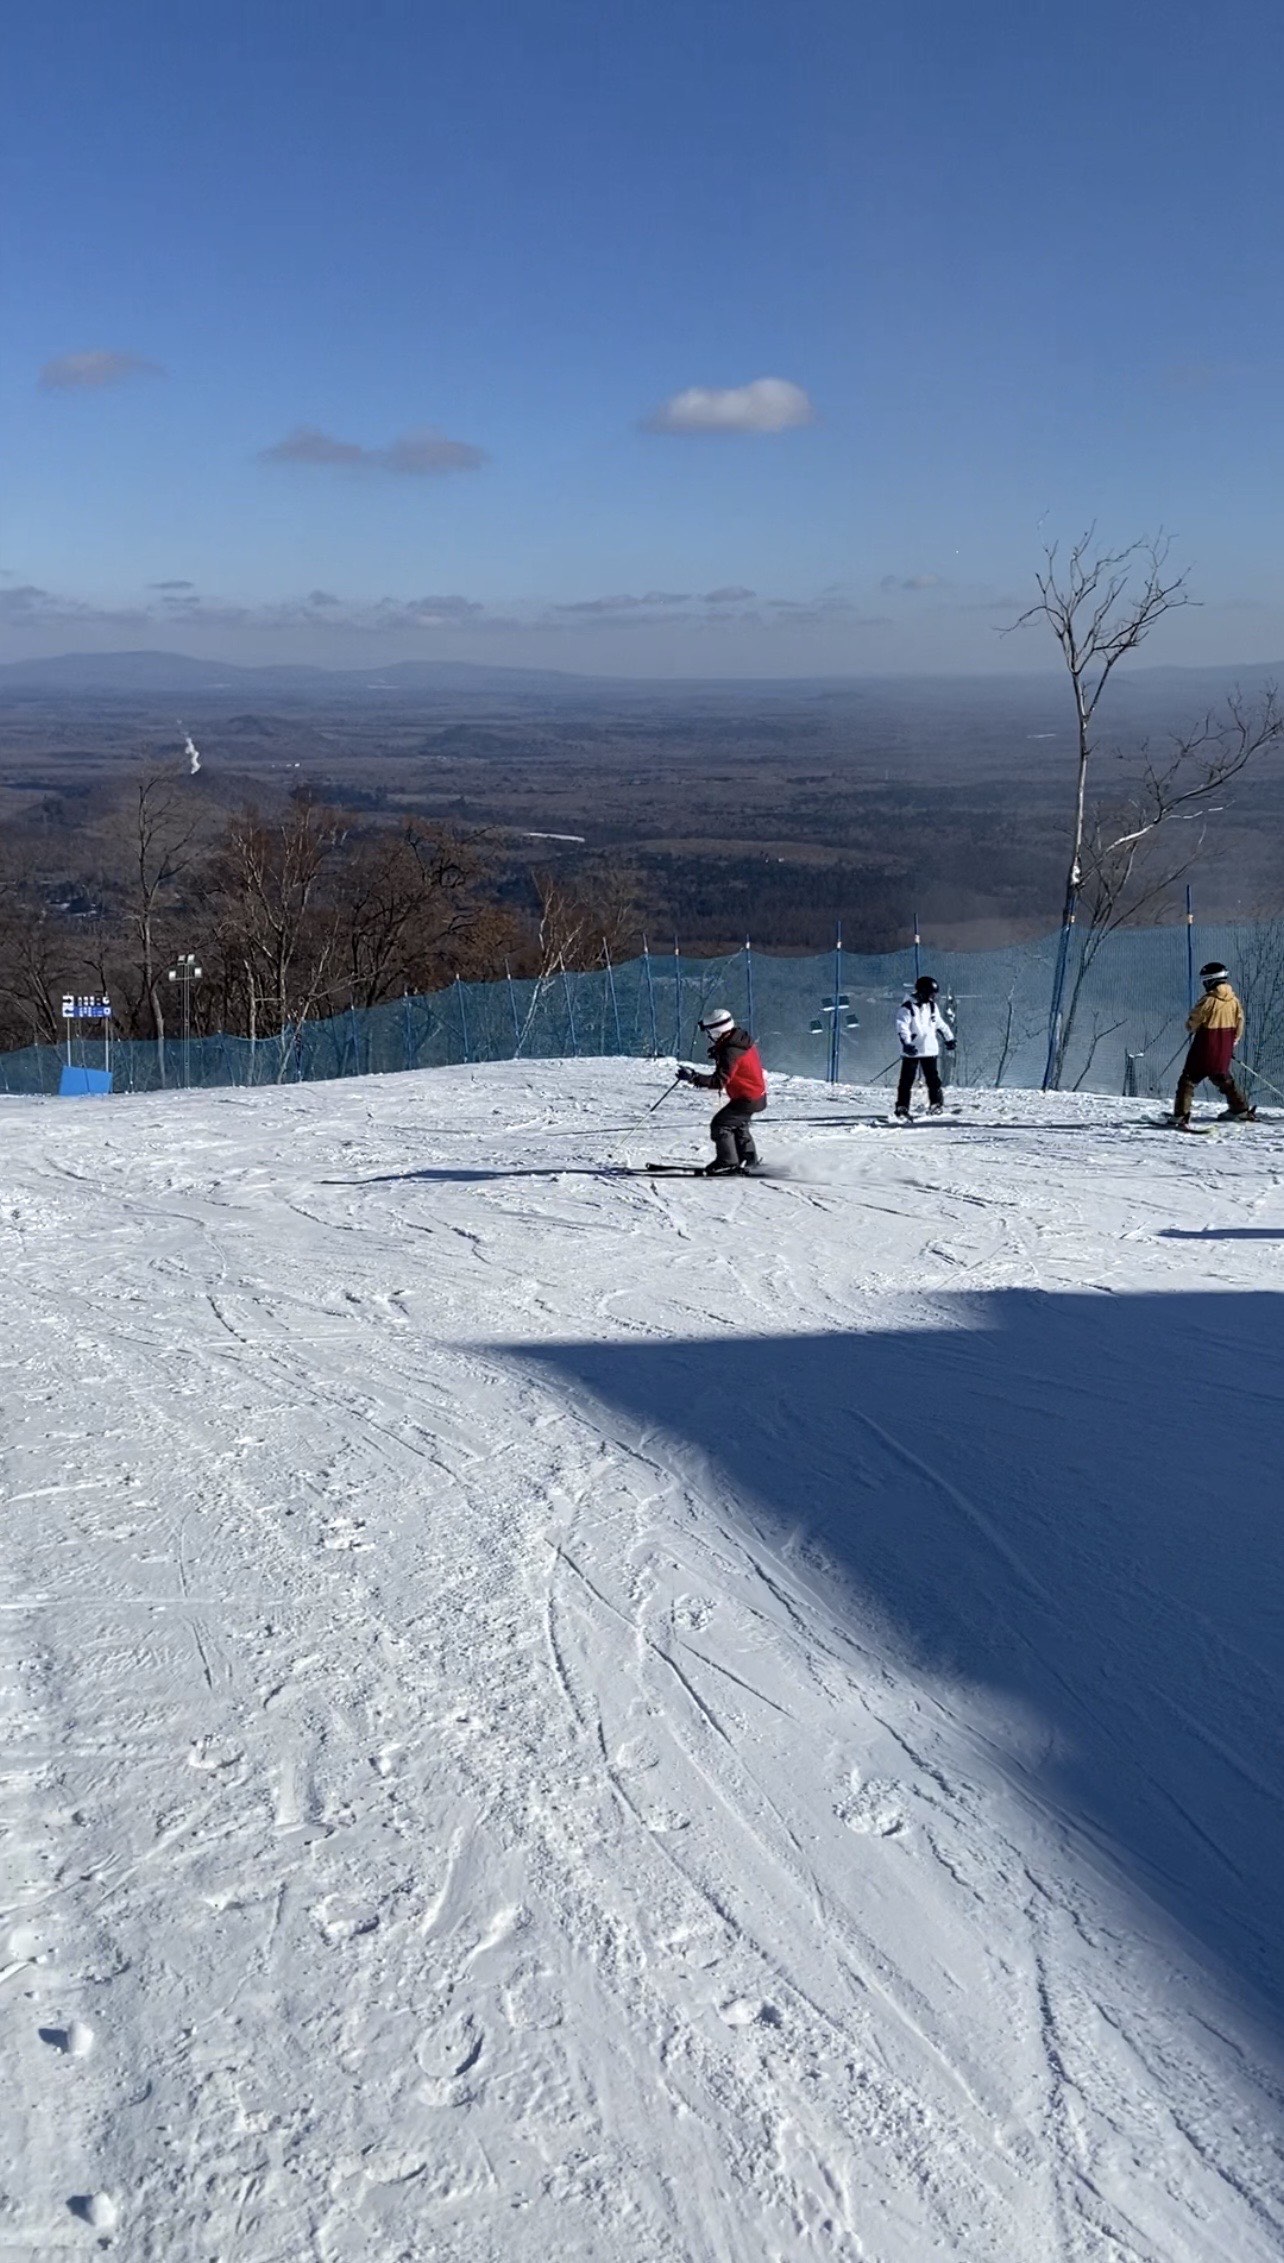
point(1262, 1079)
point(664, 1096)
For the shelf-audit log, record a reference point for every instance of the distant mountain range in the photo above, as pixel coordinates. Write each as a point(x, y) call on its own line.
point(178, 675)
point(173, 673)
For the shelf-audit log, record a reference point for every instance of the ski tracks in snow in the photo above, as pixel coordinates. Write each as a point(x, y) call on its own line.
point(461, 1827)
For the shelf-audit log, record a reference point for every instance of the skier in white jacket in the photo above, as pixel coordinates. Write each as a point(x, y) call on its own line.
point(921, 1028)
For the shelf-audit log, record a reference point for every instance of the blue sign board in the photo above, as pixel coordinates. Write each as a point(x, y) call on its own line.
point(74, 1084)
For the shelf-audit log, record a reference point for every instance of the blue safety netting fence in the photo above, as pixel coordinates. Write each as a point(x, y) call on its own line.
point(1124, 1025)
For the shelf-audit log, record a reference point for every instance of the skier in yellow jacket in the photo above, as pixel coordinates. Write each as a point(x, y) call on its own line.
point(1216, 1025)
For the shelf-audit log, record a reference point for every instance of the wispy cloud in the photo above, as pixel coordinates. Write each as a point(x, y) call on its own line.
point(29, 607)
point(89, 373)
point(321, 609)
point(421, 454)
point(655, 599)
point(910, 581)
point(767, 404)
point(174, 608)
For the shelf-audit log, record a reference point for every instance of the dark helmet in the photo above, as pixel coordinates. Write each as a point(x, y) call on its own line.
point(925, 989)
point(1212, 974)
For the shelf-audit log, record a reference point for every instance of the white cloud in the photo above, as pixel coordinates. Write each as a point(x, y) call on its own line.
point(88, 373)
point(767, 404)
point(420, 454)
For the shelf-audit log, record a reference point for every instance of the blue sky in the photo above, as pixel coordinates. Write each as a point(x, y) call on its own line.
point(406, 330)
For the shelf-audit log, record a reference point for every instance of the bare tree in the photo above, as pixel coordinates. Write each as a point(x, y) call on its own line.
point(162, 828)
point(1016, 1032)
point(1135, 854)
point(585, 917)
point(33, 961)
point(1100, 605)
point(413, 914)
point(277, 934)
point(1260, 972)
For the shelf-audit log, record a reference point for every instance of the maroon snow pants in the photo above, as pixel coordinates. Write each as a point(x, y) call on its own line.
point(1208, 1061)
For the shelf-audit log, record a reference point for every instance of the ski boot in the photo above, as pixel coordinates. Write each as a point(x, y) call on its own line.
point(720, 1170)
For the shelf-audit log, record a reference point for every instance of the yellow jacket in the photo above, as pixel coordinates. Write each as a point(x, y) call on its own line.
point(1218, 1009)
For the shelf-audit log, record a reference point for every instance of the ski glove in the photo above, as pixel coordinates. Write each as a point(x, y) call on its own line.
point(686, 1076)
point(950, 1044)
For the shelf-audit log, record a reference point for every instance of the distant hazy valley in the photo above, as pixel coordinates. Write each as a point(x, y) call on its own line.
point(766, 809)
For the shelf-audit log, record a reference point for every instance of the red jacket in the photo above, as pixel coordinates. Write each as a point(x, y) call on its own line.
point(737, 1068)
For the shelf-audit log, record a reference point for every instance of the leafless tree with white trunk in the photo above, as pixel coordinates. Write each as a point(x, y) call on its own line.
point(162, 829)
point(1100, 606)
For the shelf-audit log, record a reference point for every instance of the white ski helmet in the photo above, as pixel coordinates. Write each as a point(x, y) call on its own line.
point(717, 1024)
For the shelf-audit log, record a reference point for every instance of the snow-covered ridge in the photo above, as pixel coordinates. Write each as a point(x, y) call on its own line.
point(551, 1714)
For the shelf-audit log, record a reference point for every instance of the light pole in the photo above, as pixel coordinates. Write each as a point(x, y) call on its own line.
point(185, 972)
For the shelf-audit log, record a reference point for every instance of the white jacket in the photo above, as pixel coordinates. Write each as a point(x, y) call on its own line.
point(920, 1029)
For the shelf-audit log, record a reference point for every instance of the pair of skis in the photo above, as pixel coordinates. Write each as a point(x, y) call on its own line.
point(1203, 1131)
point(697, 1171)
point(908, 1123)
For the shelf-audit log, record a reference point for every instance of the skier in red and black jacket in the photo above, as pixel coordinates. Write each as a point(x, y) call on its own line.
point(737, 1072)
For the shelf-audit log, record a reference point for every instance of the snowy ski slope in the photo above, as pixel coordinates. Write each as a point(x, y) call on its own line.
point(555, 1717)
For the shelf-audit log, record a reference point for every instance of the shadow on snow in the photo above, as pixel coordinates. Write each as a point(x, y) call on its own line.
point(1071, 1499)
point(1221, 1233)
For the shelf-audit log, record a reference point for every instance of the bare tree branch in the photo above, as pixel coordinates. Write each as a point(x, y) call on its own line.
point(1100, 606)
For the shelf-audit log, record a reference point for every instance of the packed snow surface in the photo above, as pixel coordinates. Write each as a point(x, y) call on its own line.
point(558, 1717)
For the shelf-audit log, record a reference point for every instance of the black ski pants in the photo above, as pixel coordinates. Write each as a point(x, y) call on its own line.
point(730, 1132)
point(910, 1067)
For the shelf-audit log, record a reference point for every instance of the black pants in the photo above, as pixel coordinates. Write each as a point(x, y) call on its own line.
point(910, 1067)
point(730, 1131)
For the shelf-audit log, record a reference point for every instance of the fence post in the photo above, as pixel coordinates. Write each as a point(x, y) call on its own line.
point(512, 1007)
point(1190, 950)
point(570, 1013)
point(1052, 1066)
point(677, 997)
point(749, 981)
point(835, 1026)
point(463, 1015)
point(918, 966)
point(650, 997)
point(610, 984)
